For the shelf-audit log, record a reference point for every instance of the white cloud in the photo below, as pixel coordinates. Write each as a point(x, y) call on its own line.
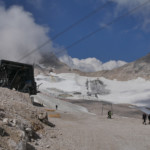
point(19, 34)
point(36, 3)
point(90, 64)
point(130, 3)
point(141, 14)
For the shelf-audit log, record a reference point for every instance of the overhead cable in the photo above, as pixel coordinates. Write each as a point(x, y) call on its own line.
point(104, 26)
point(67, 29)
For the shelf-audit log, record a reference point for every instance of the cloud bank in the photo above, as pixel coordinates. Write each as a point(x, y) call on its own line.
point(90, 64)
point(19, 34)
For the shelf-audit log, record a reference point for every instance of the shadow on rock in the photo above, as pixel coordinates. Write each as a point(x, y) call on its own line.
point(30, 147)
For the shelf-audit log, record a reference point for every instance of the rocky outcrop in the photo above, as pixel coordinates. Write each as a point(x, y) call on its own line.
point(19, 121)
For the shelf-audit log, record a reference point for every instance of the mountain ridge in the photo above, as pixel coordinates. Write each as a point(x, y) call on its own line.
point(132, 70)
point(129, 71)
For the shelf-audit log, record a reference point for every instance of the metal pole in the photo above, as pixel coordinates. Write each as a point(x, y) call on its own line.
point(102, 109)
point(111, 108)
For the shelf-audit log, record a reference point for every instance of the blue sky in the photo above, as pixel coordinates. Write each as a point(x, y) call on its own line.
point(125, 40)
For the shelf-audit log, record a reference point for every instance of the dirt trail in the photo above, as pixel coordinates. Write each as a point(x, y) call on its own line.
point(99, 133)
point(124, 131)
point(77, 130)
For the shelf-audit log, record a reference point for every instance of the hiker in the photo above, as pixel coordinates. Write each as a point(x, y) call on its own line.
point(56, 107)
point(144, 118)
point(149, 118)
point(109, 114)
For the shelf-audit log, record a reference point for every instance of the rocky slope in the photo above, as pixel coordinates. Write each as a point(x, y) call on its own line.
point(21, 127)
point(133, 70)
point(52, 63)
point(138, 68)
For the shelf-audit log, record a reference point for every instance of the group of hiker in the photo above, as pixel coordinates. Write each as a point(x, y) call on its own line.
point(145, 116)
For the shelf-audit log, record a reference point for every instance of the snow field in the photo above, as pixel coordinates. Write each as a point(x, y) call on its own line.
point(136, 92)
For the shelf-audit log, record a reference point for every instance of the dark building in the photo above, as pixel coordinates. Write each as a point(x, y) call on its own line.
point(17, 75)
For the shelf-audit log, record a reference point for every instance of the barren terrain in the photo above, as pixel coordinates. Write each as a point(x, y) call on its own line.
point(74, 130)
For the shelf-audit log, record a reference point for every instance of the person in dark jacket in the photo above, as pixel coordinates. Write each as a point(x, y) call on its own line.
point(109, 114)
point(149, 118)
point(56, 107)
point(144, 118)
